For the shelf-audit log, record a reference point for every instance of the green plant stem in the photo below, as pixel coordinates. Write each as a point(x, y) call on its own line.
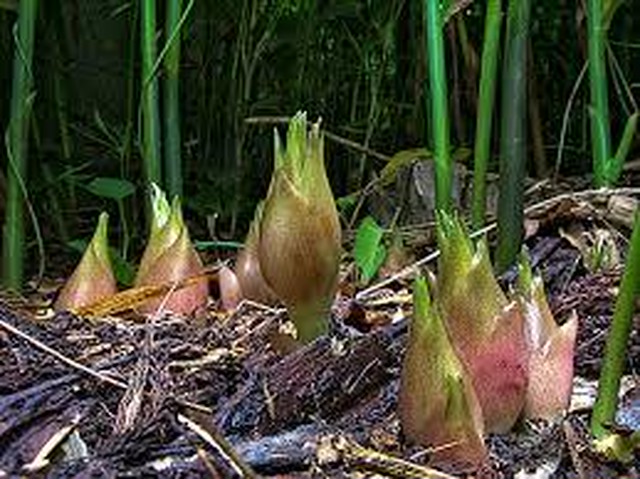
point(438, 98)
point(150, 113)
point(486, 101)
point(311, 320)
point(618, 337)
point(125, 229)
point(513, 134)
point(172, 159)
point(616, 164)
point(17, 142)
point(600, 134)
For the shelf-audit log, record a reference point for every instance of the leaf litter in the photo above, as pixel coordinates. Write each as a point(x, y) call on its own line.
point(230, 394)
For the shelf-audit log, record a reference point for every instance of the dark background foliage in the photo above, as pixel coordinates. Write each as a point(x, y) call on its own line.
point(358, 64)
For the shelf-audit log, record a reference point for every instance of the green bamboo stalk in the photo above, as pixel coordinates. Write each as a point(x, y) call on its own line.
point(615, 350)
point(600, 133)
point(172, 159)
point(150, 100)
point(17, 142)
point(438, 99)
point(513, 134)
point(130, 103)
point(486, 101)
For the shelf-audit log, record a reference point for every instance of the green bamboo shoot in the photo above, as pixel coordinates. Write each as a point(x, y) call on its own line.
point(17, 142)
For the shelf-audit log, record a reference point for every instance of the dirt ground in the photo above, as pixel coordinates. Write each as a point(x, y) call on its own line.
point(231, 395)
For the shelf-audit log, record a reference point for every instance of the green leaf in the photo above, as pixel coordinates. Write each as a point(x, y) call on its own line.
point(112, 188)
point(346, 204)
point(615, 165)
point(123, 270)
point(369, 253)
point(399, 160)
point(609, 9)
point(78, 245)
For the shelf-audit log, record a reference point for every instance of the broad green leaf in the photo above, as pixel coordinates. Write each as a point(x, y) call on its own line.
point(369, 253)
point(113, 188)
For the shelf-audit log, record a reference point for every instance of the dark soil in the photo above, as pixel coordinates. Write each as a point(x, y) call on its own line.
point(218, 395)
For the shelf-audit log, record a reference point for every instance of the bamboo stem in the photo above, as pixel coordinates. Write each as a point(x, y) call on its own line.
point(486, 101)
point(17, 142)
point(615, 350)
point(600, 133)
point(438, 99)
point(513, 135)
point(150, 108)
point(173, 160)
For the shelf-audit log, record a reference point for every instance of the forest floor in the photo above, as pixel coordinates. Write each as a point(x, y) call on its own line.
point(231, 395)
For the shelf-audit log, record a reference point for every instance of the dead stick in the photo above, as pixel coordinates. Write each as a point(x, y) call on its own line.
point(253, 120)
point(413, 268)
point(221, 446)
point(389, 465)
point(61, 357)
point(570, 436)
point(229, 453)
point(132, 297)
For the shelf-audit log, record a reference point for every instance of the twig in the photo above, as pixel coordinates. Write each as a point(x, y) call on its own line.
point(163, 304)
point(254, 120)
point(132, 297)
point(413, 268)
point(61, 357)
point(221, 442)
point(221, 446)
point(356, 146)
point(570, 436)
point(42, 457)
point(565, 119)
point(542, 205)
point(353, 452)
point(87, 370)
point(590, 193)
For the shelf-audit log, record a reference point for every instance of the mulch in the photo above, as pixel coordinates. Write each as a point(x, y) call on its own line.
point(231, 395)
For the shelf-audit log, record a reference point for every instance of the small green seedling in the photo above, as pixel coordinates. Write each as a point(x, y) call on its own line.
point(369, 251)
